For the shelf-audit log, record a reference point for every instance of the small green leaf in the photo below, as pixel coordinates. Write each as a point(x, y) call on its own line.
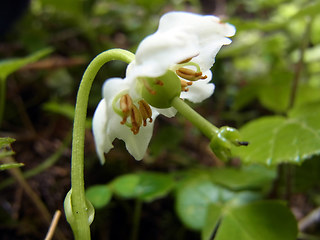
point(165, 140)
point(193, 198)
point(10, 165)
point(262, 220)
point(11, 65)
point(5, 149)
point(310, 10)
point(99, 195)
point(65, 109)
point(277, 139)
point(248, 177)
point(6, 141)
point(146, 186)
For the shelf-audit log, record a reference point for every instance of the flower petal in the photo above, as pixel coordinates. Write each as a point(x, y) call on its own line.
point(159, 51)
point(99, 124)
point(210, 33)
point(114, 86)
point(136, 144)
point(168, 112)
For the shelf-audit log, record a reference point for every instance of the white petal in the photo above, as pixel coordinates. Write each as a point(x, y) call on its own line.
point(114, 86)
point(199, 90)
point(210, 33)
point(159, 51)
point(168, 112)
point(136, 144)
point(99, 124)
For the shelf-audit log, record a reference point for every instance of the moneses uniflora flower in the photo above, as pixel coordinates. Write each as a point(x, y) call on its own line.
point(175, 61)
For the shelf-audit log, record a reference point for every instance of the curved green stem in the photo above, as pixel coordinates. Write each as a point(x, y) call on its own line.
point(207, 128)
point(80, 225)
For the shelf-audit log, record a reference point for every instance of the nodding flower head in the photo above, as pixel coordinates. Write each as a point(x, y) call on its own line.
point(173, 62)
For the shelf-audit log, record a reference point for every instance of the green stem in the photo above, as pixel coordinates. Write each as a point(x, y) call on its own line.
point(299, 65)
point(2, 97)
point(195, 118)
point(136, 219)
point(81, 226)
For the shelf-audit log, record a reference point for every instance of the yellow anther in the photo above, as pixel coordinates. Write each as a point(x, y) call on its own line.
point(184, 85)
point(145, 111)
point(190, 74)
point(125, 106)
point(136, 120)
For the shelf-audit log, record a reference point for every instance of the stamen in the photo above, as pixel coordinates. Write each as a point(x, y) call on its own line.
point(190, 74)
point(184, 85)
point(136, 119)
point(145, 111)
point(125, 106)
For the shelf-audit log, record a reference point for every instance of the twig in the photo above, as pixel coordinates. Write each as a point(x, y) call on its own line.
point(17, 175)
point(54, 63)
point(43, 166)
point(53, 225)
point(311, 218)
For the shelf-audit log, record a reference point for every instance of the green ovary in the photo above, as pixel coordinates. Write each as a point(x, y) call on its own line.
point(159, 92)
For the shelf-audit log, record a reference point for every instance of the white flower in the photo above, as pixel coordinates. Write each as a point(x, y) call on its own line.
point(186, 44)
point(183, 36)
point(107, 125)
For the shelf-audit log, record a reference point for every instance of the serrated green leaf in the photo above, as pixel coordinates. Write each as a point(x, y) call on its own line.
point(99, 195)
point(273, 140)
point(262, 220)
point(10, 165)
point(146, 186)
point(11, 65)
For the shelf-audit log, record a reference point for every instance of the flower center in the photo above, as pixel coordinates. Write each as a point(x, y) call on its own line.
point(188, 74)
point(128, 110)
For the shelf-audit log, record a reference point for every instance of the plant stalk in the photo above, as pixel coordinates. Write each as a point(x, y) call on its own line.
point(208, 129)
point(80, 225)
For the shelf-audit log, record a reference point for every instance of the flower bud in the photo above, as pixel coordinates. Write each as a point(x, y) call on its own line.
point(159, 92)
point(222, 142)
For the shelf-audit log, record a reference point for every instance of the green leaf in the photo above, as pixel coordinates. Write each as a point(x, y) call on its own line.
point(248, 177)
point(99, 195)
point(310, 10)
point(193, 198)
point(262, 220)
point(10, 165)
point(5, 149)
point(165, 140)
point(6, 141)
point(65, 109)
point(11, 65)
point(146, 186)
point(273, 140)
